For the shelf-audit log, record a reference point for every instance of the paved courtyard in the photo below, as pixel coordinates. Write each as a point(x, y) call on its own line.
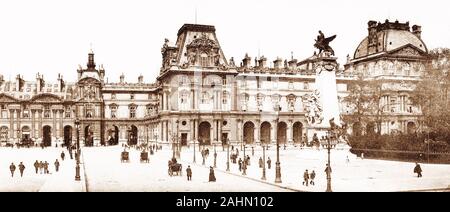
point(102, 170)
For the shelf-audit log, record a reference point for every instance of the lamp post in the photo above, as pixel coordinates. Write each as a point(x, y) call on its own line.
point(277, 164)
point(178, 146)
point(194, 150)
point(264, 162)
point(328, 167)
point(203, 154)
point(77, 167)
point(228, 154)
point(244, 172)
point(215, 156)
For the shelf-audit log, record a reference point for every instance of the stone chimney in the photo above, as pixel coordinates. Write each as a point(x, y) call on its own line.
point(293, 64)
point(122, 79)
point(246, 61)
point(278, 63)
point(141, 79)
point(262, 62)
point(417, 30)
point(79, 71)
point(18, 82)
point(1, 79)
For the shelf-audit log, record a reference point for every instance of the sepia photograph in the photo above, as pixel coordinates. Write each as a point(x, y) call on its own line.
point(224, 96)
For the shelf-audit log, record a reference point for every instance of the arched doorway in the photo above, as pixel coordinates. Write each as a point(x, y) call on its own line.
point(133, 135)
point(265, 132)
point(370, 128)
point(204, 131)
point(88, 136)
point(281, 133)
point(113, 135)
point(297, 132)
point(3, 134)
point(47, 135)
point(67, 135)
point(249, 129)
point(26, 133)
point(411, 127)
point(356, 129)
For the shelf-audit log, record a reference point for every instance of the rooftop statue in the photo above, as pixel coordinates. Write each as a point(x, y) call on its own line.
point(322, 43)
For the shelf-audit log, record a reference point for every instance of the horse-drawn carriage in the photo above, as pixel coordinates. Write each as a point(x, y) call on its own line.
point(124, 157)
point(175, 167)
point(144, 157)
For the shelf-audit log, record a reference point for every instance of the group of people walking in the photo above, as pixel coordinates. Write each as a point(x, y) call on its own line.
point(40, 167)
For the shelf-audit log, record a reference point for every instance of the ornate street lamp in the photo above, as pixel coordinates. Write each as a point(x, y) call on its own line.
point(194, 150)
point(77, 167)
point(277, 164)
point(264, 162)
point(244, 168)
point(328, 167)
point(215, 156)
point(228, 154)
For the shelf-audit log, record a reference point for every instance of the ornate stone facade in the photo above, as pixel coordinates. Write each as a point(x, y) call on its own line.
point(201, 96)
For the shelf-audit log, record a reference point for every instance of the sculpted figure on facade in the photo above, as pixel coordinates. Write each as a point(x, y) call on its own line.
point(313, 108)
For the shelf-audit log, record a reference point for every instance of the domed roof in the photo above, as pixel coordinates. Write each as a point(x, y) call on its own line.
point(388, 38)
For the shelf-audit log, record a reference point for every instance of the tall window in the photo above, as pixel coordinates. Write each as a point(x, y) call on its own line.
point(47, 111)
point(205, 97)
point(225, 97)
point(403, 103)
point(26, 112)
point(113, 109)
point(67, 112)
point(89, 112)
point(133, 111)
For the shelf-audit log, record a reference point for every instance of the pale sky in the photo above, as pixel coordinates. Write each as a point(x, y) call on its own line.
point(54, 36)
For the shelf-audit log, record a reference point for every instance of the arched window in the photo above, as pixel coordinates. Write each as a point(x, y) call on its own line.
point(113, 108)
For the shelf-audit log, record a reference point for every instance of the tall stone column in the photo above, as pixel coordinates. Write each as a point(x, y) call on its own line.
point(256, 132)
point(11, 124)
point(40, 132)
point(54, 134)
point(61, 124)
point(33, 123)
point(290, 132)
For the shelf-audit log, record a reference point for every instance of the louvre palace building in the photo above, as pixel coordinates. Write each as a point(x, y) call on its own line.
point(201, 95)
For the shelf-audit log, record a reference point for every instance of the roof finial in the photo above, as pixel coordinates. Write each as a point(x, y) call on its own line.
point(292, 55)
point(90, 50)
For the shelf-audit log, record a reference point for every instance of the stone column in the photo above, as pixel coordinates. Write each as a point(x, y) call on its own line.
point(256, 132)
point(61, 124)
point(33, 123)
point(40, 132)
point(239, 131)
point(11, 124)
point(54, 134)
point(290, 132)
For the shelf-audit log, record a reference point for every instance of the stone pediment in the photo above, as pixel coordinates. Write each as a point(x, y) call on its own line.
point(4, 98)
point(407, 51)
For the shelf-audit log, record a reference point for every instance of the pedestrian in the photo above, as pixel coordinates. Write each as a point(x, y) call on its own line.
point(212, 177)
point(347, 160)
point(36, 166)
point(248, 160)
point(21, 169)
point(253, 151)
point(240, 164)
point(12, 168)
point(70, 153)
point(362, 155)
point(46, 167)
point(261, 162)
point(232, 148)
point(41, 166)
point(418, 170)
point(305, 177)
point(269, 162)
point(57, 165)
point(189, 173)
point(63, 155)
point(312, 176)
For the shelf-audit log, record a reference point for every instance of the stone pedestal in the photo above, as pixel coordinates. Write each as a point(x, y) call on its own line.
point(324, 104)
